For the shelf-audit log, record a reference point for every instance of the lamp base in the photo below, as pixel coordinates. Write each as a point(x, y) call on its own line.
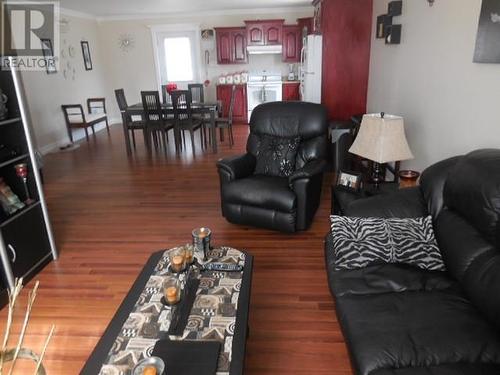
point(376, 175)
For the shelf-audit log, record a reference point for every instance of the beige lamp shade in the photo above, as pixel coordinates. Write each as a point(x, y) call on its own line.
point(382, 139)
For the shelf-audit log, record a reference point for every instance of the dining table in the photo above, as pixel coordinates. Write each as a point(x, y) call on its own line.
point(200, 108)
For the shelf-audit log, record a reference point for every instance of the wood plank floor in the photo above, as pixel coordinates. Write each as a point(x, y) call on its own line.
point(110, 213)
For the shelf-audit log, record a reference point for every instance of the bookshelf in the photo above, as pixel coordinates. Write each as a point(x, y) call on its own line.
point(26, 240)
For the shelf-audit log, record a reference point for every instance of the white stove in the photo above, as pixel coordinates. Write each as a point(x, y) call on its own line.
point(263, 87)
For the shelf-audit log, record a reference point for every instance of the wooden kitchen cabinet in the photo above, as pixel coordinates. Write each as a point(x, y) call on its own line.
point(292, 43)
point(306, 25)
point(291, 91)
point(264, 33)
point(231, 45)
point(240, 101)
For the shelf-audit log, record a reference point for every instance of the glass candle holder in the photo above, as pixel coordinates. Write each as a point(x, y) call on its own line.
point(408, 179)
point(177, 260)
point(171, 290)
point(201, 240)
point(189, 253)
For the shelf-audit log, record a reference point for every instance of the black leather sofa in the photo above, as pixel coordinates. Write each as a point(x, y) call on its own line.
point(400, 320)
point(286, 204)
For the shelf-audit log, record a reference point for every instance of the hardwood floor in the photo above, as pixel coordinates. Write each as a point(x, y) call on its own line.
point(110, 213)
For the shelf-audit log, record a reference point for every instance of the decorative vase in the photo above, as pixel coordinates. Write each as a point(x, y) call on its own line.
point(24, 354)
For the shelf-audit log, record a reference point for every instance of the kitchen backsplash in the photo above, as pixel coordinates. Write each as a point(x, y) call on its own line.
point(271, 63)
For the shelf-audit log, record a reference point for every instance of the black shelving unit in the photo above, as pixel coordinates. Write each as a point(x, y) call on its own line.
point(26, 241)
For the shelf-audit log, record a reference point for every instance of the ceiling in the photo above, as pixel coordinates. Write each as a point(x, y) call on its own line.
point(109, 8)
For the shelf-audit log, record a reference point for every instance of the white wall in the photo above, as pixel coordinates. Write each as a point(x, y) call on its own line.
point(134, 70)
point(46, 92)
point(450, 104)
point(113, 68)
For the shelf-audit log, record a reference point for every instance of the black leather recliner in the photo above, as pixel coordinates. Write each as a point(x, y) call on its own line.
point(287, 204)
point(402, 320)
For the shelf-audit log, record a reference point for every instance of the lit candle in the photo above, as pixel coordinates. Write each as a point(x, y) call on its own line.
point(177, 261)
point(171, 294)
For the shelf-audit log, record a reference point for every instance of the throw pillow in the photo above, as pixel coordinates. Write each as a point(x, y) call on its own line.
point(360, 242)
point(276, 155)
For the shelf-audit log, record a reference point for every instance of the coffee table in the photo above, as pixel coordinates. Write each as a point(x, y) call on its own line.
point(219, 312)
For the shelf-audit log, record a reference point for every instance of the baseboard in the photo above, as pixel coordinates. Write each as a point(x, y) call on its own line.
point(78, 135)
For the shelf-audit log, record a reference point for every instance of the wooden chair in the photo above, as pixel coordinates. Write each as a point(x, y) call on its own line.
point(128, 121)
point(157, 126)
point(196, 90)
point(183, 116)
point(75, 117)
point(227, 122)
point(165, 95)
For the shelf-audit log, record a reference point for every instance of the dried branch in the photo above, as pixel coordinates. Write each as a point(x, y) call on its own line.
point(31, 301)
point(13, 295)
point(39, 363)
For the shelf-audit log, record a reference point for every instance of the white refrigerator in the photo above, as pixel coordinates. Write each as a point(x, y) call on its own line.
point(310, 69)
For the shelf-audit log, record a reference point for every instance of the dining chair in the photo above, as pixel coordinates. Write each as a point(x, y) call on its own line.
point(196, 92)
point(75, 117)
point(227, 122)
point(167, 99)
point(97, 106)
point(157, 126)
point(183, 116)
point(129, 122)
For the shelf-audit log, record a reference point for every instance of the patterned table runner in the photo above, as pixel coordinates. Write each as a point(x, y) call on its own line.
point(213, 316)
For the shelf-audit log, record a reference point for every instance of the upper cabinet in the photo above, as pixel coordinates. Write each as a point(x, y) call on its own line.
point(232, 42)
point(292, 43)
point(239, 44)
point(264, 33)
point(231, 45)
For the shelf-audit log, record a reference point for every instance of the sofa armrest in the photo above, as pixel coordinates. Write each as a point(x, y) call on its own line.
point(404, 203)
point(237, 167)
point(310, 169)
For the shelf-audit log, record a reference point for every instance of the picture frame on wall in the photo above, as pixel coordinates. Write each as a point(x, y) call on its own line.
point(48, 55)
point(487, 49)
point(87, 59)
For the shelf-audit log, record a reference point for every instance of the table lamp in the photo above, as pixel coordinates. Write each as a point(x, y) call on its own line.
point(381, 139)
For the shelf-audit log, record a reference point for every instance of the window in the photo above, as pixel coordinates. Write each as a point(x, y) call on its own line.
point(178, 59)
point(177, 53)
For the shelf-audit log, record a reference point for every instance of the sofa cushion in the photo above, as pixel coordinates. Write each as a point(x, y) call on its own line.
point(473, 190)
point(460, 243)
point(360, 242)
point(384, 278)
point(432, 183)
point(454, 369)
point(261, 191)
point(276, 155)
point(415, 329)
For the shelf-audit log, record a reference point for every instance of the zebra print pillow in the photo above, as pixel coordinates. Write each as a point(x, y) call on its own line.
point(360, 242)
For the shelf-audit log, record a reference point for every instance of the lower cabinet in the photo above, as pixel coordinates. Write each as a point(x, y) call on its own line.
point(240, 101)
point(26, 242)
point(291, 91)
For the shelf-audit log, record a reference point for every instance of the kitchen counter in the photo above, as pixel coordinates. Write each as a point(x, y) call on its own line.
point(230, 84)
point(290, 82)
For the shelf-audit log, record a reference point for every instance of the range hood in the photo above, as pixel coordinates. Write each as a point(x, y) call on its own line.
point(265, 50)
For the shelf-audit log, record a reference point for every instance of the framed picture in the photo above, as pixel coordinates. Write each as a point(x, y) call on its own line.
point(488, 33)
point(48, 55)
point(349, 180)
point(87, 60)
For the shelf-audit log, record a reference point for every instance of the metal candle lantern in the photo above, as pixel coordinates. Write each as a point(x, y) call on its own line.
point(201, 240)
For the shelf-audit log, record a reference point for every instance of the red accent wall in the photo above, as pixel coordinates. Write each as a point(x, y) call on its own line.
point(346, 26)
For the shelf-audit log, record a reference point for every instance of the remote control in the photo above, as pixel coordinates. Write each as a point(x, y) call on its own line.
point(226, 267)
